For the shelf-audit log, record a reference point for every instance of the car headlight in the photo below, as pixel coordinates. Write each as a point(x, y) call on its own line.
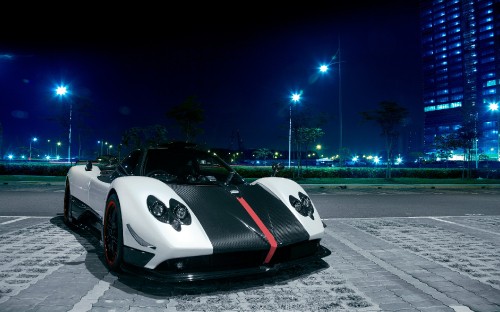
point(157, 208)
point(303, 205)
point(180, 212)
point(176, 214)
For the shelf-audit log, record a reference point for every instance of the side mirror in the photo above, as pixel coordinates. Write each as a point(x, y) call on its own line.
point(88, 166)
point(277, 167)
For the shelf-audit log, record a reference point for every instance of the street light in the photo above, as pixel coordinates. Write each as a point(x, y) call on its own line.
point(494, 108)
point(32, 140)
point(62, 91)
point(57, 145)
point(323, 69)
point(294, 99)
point(100, 142)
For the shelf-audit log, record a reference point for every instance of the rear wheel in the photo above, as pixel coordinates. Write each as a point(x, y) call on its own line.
point(67, 218)
point(112, 234)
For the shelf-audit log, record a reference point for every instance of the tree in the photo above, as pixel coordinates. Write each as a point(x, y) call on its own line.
point(445, 145)
point(306, 136)
point(188, 116)
point(262, 153)
point(307, 129)
point(138, 137)
point(467, 140)
point(391, 117)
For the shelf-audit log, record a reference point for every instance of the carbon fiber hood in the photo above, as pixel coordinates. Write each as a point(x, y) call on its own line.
point(231, 228)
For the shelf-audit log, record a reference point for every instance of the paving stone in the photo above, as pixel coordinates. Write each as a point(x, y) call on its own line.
point(388, 264)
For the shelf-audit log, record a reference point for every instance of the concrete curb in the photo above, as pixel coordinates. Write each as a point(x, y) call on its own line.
point(401, 186)
point(315, 186)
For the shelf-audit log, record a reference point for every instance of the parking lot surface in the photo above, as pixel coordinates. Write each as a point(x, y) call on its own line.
point(379, 264)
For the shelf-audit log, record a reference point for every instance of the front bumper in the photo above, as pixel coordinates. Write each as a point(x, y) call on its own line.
point(201, 273)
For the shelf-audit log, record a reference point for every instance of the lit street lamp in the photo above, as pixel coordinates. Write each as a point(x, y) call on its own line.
point(494, 108)
point(62, 91)
point(102, 145)
point(57, 145)
point(294, 99)
point(32, 140)
point(100, 142)
point(324, 68)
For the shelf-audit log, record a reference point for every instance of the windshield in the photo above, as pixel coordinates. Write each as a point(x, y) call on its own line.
point(189, 166)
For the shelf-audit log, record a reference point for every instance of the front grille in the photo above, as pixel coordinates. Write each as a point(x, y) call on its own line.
point(240, 260)
point(295, 251)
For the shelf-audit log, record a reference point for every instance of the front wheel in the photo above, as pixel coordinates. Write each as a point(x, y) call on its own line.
point(112, 234)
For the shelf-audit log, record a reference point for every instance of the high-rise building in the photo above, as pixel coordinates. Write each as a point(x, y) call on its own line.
point(461, 72)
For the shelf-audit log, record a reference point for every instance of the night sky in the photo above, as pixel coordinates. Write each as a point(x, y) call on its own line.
point(129, 66)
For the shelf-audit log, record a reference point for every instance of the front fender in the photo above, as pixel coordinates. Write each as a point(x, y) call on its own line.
point(282, 188)
point(167, 242)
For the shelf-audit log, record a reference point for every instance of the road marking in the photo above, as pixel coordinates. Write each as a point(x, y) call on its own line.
point(19, 218)
point(93, 295)
point(461, 309)
point(39, 217)
point(15, 220)
point(463, 225)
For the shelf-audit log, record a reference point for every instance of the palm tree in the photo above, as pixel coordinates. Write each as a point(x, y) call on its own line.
point(391, 117)
point(188, 115)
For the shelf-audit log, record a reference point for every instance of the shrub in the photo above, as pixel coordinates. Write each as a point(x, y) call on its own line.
point(60, 169)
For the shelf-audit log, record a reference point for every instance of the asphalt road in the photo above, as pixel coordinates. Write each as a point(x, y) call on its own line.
point(46, 199)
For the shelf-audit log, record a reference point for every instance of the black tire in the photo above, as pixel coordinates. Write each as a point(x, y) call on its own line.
point(113, 234)
point(67, 217)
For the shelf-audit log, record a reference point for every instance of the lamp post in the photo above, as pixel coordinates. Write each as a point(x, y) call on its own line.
point(57, 145)
point(494, 108)
point(32, 140)
point(62, 91)
point(323, 69)
point(100, 142)
point(294, 99)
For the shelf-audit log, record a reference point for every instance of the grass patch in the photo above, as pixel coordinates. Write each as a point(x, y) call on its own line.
point(395, 181)
point(31, 178)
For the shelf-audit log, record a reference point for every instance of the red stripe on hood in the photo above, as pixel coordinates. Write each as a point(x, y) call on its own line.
point(262, 227)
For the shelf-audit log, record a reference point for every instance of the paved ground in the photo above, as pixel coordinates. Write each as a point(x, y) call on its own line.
point(383, 264)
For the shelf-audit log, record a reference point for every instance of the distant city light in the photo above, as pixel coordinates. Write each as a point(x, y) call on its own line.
point(399, 160)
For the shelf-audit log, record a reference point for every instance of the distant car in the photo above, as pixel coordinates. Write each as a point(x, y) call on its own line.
point(180, 213)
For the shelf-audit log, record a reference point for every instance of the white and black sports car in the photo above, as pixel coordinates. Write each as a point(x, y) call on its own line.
point(181, 213)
